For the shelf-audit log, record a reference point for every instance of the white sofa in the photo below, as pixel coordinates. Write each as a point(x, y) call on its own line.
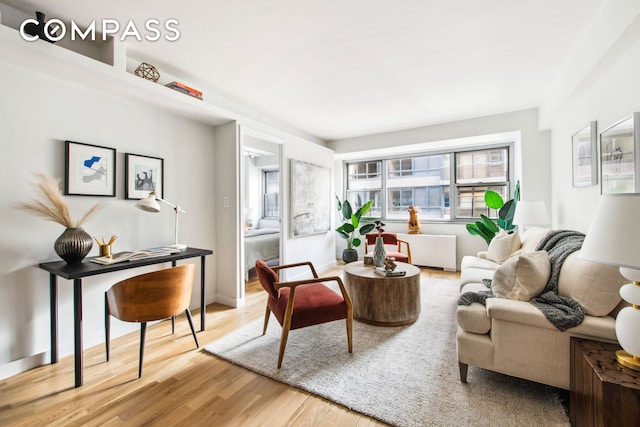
point(513, 337)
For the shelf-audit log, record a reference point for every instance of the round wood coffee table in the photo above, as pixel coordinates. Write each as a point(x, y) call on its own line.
point(383, 301)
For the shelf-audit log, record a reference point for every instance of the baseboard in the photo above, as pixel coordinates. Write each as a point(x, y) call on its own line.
point(231, 302)
point(21, 365)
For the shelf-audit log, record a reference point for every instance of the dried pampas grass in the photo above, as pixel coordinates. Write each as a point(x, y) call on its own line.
point(51, 206)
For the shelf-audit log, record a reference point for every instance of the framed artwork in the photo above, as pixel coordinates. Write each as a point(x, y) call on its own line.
point(584, 145)
point(310, 199)
point(619, 148)
point(142, 175)
point(90, 170)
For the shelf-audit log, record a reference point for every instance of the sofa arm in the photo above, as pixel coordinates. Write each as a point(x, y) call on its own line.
point(523, 312)
point(515, 311)
point(483, 254)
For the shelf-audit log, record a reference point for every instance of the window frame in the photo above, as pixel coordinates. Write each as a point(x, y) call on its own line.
point(453, 185)
point(265, 194)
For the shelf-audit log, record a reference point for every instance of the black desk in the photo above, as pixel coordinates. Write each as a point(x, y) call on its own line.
point(86, 269)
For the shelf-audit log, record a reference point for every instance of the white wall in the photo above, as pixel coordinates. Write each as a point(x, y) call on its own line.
point(37, 114)
point(610, 93)
point(532, 166)
point(317, 248)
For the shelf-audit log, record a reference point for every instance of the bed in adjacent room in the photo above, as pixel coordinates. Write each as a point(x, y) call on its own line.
point(262, 242)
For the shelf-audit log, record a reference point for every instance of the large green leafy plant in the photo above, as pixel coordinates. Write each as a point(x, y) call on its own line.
point(487, 227)
point(351, 222)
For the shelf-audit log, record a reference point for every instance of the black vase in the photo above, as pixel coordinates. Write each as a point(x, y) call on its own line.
point(73, 245)
point(37, 30)
point(349, 255)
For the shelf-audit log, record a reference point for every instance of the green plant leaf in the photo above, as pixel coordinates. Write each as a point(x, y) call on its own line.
point(356, 242)
point(493, 200)
point(347, 228)
point(346, 210)
point(366, 207)
point(339, 203)
point(489, 223)
point(366, 228)
point(473, 229)
point(342, 234)
point(355, 220)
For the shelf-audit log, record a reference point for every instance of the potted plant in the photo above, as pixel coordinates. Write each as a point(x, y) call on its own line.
point(349, 227)
point(487, 228)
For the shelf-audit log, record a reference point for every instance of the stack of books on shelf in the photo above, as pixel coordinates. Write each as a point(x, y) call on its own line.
point(381, 271)
point(181, 87)
point(133, 255)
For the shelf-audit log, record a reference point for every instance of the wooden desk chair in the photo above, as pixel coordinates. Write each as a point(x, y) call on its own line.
point(314, 302)
point(390, 239)
point(152, 296)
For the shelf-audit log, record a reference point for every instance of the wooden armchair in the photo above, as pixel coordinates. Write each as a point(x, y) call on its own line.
point(152, 296)
point(302, 303)
point(390, 239)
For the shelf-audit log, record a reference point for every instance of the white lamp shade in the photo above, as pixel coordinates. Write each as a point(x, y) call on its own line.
point(149, 203)
point(531, 213)
point(614, 235)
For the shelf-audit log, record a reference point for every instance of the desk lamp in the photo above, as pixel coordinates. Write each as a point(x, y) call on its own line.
point(613, 238)
point(150, 204)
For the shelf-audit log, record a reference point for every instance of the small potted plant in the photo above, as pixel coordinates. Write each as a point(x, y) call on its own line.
point(350, 222)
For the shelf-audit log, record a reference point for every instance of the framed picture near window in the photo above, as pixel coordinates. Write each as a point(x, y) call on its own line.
point(90, 170)
point(619, 147)
point(584, 146)
point(143, 174)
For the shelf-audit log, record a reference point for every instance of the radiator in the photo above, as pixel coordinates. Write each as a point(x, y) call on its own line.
point(431, 250)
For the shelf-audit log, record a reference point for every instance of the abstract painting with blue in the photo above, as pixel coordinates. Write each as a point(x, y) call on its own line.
point(90, 169)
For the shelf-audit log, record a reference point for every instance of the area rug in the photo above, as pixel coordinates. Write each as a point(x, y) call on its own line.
point(404, 376)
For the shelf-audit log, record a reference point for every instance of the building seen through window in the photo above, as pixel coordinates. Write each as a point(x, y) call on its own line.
point(428, 181)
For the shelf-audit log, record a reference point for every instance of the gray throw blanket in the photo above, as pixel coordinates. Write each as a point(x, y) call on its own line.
point(562, 312)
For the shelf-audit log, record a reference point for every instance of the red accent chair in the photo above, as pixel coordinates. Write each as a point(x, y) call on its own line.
point(301, 303)
point(390, 239)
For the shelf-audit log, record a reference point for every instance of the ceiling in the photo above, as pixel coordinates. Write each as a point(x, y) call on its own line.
point(343, 68)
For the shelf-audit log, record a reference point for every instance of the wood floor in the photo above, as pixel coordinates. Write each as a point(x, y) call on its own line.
point(180, 384)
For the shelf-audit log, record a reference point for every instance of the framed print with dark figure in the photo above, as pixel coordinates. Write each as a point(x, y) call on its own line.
point(143, 174)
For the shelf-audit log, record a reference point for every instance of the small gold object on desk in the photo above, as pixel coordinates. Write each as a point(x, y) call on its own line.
point(368, 259)
point(105, 250)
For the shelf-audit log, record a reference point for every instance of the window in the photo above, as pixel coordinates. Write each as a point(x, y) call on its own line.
point(271, 188)
point(476, 172)
point(426, 182)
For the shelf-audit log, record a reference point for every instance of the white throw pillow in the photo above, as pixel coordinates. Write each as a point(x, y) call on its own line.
point(522, 277)
point(531, 237)
point(595, 286)
point(503, 246)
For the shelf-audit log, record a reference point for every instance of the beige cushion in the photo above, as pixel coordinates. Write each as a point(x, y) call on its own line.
point(502, 246)
point(522, 277)
point(595, 286)
point(532, 237)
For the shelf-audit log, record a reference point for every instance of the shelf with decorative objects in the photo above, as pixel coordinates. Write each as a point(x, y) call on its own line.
point(105, 66)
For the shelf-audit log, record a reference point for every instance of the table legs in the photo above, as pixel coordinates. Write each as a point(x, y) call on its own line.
point(53, 310)
point(203, 307)
point(77, 321)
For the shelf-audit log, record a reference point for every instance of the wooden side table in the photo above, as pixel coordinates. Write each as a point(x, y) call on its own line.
point(603, 393)
point(383, 301)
